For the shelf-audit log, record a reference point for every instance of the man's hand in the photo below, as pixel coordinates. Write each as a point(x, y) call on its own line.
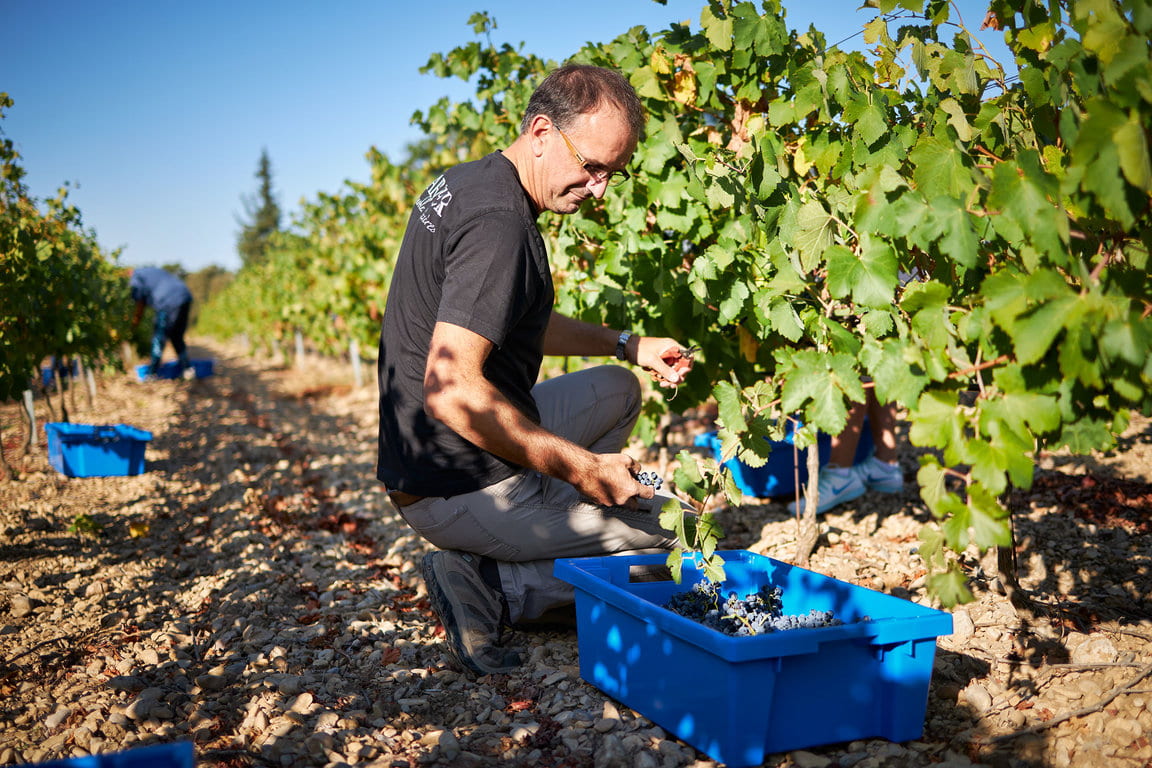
point(665, 359)
point(611, 481)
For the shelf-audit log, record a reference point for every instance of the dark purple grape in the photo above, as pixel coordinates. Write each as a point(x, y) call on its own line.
point(756, 613)
point(650, 479)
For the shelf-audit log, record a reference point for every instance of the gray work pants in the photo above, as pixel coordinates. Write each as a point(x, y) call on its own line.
point(528, 520)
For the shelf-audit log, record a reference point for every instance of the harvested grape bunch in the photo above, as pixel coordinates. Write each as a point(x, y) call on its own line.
point(756, 613)
point(650, 478)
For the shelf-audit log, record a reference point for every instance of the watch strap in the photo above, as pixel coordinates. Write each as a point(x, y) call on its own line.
point(621, 345)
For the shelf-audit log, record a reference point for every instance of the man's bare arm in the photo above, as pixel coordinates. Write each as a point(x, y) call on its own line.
point(568, 336)
point(457, 393)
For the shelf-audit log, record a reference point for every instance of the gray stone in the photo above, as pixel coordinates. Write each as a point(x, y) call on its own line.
point(126, 683)
point(610, 753)
point(962, 627)
point(803, 759)
point(977, 697)
point(1095, 650)
point(605, 724)
point(56, 718)
point(646, 759)
point(19, 605)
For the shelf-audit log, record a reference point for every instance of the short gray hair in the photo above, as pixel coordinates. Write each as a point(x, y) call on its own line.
point(578, 89)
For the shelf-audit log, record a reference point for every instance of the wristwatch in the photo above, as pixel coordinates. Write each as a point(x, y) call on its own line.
point(621, 345)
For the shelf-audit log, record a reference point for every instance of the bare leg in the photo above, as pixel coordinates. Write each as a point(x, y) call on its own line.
point(882, 422)
point(844, 444)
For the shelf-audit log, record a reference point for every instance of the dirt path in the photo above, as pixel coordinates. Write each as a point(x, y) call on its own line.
point(255, 593)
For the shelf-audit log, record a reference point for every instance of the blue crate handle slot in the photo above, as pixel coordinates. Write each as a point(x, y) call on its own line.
point(106, 434)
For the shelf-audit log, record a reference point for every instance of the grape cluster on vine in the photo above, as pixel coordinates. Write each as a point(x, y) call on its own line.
point(651, 479)
point(756, 613)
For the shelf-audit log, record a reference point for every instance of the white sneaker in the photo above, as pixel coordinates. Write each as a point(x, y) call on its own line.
point(837, 485)
point(880, 476)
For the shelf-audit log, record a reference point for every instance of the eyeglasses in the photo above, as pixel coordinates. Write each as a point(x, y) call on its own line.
point(598, 174)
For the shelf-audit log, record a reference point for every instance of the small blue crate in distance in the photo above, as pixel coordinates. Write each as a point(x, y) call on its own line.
point(171, 369)
point(739, 699)
point(778, 475)
point(86, 450)
point(177, 755)
point(48, 372)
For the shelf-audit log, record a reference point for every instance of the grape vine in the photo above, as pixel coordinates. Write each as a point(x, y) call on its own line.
point(60, 294)
point(974, 242)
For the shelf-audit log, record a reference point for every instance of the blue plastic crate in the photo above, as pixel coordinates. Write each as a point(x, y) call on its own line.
point(86, 450)
point(177, 755)
point(171, 369)
point(778, 475)
point(738, 699)
point(48, 372)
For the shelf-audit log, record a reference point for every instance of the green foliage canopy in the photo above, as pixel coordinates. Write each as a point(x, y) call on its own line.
point(975, 243)
point(60, 294)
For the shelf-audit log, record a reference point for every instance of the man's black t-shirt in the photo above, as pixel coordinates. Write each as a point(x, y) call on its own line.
point(472, 257)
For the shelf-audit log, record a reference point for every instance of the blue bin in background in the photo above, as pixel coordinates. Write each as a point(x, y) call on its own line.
point(87, 450)
point(171, 369)
point(48, 372)
point(177, 755)
point(739, 699)
point(778, 477)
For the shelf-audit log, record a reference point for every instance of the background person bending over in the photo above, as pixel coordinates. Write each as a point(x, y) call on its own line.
point(170, 300)
point(501, 473)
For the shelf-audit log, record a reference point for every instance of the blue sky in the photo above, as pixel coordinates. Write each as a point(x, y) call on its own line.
point(157, 112)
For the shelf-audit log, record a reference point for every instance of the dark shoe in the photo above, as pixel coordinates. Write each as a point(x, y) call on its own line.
point(472, 612)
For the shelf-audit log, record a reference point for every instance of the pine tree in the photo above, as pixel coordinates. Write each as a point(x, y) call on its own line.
point(263, 214)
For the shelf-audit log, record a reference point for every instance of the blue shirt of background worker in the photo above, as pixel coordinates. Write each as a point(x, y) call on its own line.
point(171, 300)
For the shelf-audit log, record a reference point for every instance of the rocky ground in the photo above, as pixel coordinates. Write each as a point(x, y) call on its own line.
point(255, 593)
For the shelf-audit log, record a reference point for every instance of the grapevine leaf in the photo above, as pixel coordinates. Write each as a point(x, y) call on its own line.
point(783, 319)
point(935, 421)
point(675, 563)
point(957, 119)
point(1085, 435)
point(989, 519)
point(955, 527)
point(872, 124)
point(814, 233)
point(950, 587)
point(948, 222)
point(1034, 333)
point(734, 302)
point(672, 518)
point(732, 490)
point(1132, 146)
point(718, 30)
point(842, 266)
point(1127, 340)
point(754, 450)
point(939, 168)
point(822, 381)
point(731, 414)
point(1022, 412)
point(714, 569)
point(931, 479)
point(897, 381)
point(932, 547)
point(1096, 154)
point(989, 462)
